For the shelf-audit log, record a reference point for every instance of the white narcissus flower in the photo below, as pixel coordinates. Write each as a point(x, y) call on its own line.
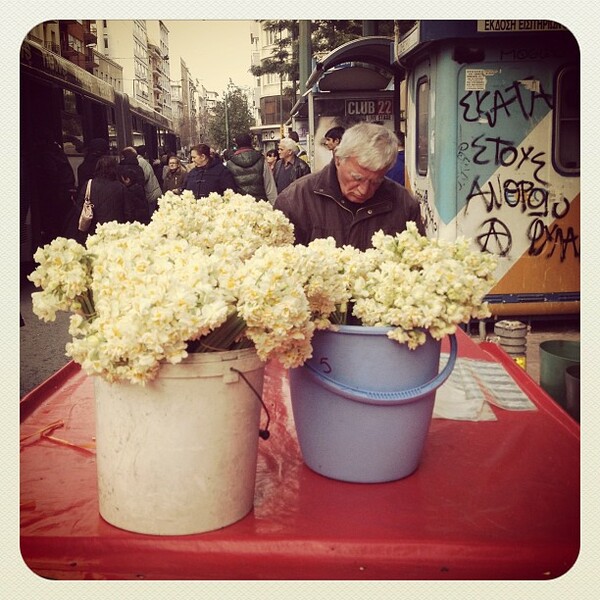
point(417, 284)
point(143, 293)
point(221, 272)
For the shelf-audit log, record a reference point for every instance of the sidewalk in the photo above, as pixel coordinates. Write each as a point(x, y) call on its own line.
point(42, 345)
point(541, 331)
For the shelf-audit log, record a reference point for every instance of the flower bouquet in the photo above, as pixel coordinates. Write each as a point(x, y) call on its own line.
point(203, 276)
point(362, 404)
point(417, 284)
point(222, 273)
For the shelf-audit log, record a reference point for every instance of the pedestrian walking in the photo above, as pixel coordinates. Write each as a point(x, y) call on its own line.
point(108, 197)
point(289, 167)
point(209, 173)
point(333, 137)
point(55, 186)
point(174, 175)
point(251, 171)
point(151, 186)
point(271, 157)
point(135, 194)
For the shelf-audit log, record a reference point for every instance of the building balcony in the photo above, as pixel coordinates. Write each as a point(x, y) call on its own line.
point(90, 38)
point(52, 47)
point(85, 60)
point(34, 38)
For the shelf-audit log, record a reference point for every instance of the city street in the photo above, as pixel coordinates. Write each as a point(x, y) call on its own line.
point(42, 345)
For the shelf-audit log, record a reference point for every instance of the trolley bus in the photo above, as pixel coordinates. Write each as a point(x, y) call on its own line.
point(492, 150)
point(63, 102)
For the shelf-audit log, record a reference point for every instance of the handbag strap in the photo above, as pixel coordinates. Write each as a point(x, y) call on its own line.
point(88, 190)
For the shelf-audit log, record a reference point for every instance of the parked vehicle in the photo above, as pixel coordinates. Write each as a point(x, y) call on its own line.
point(61, 102)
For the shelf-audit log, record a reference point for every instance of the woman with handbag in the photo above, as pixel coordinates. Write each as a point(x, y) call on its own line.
point(108, 199)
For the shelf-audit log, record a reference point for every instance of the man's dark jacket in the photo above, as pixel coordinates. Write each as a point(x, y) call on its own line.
point(299, 169)
point(247, 167)
point(316, 207)
point(214, 177)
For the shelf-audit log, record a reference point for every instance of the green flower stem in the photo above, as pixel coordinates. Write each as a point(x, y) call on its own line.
point(223, 338)
point(87, 305)
point(340, 315)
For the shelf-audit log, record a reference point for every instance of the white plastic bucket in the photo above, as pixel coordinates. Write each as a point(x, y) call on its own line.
point(179, 455)
point(363, 403)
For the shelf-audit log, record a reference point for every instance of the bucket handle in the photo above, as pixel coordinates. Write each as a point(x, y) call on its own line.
point(387, 398)
point(262, 433)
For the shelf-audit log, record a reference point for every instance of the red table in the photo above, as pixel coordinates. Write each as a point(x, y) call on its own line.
point(490, 500)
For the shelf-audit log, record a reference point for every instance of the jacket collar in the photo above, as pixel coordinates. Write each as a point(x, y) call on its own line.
point(327, 182)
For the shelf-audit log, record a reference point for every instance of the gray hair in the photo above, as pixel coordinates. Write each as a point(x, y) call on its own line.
point(289, 144)
point(373, 146)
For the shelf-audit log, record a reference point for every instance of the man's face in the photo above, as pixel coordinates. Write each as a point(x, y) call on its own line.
point(357, 183)
point(331, 143)
point(285, 154)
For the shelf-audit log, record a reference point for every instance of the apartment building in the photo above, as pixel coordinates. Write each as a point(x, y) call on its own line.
point(273, 106)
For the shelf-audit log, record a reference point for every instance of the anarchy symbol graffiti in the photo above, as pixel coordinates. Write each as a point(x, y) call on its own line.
point(496, 237)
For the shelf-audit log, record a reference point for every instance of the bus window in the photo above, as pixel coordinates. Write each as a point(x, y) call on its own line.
point(112, 130)
point(137, 133)
point(422, 136)
point(72, 128)
point(567, 121)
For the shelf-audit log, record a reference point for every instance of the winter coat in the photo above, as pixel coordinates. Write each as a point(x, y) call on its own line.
point(214, 177)
point(316, 207)
point(111, 203)
point(151, 185)
point(248, 168)
point(174, 180)
point(136, 198)
point(299, 169)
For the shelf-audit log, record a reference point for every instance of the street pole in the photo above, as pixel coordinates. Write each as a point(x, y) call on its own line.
point(281, 103)
point(226, 123)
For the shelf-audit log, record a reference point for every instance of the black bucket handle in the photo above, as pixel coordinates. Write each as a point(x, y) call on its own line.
point(262, 433)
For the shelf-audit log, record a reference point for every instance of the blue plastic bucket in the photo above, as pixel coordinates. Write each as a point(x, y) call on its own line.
point(362, 404)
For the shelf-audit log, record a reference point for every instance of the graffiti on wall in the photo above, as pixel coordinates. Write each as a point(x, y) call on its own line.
point(427, 212)
point(530, 194)
point(520, 97)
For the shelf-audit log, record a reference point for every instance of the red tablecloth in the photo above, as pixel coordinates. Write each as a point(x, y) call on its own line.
point(490, 500)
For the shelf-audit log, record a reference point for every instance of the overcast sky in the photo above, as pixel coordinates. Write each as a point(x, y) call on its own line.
point(213, 50)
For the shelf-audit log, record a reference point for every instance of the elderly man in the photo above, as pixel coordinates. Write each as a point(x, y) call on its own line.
point(289, 167)
point(350, 199)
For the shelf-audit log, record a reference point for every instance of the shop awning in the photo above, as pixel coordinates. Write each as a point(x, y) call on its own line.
point(374, 50)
